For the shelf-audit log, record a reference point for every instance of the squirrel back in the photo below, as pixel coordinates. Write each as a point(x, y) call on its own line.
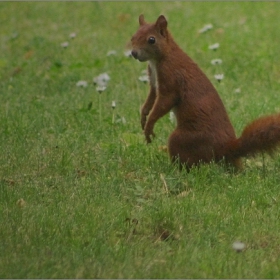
point(203, 132)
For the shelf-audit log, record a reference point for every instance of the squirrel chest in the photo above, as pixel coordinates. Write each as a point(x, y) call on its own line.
point(153, 75)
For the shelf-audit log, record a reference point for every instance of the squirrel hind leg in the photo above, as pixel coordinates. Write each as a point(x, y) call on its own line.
point(185, 149)
point(182, 163)
point(234, 165)
point(189, 149)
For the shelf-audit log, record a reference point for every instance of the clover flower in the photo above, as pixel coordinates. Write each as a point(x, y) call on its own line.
point(101, 80)
point(72, 35)
point(21, 202)
point(82, 84)
point(214, 46)
point(112, 52)
point(205, 28)
point(172, 117)
point(216, 61)
point(113, 114)
point(144, 78)
point(127, 53)
point(238, 246)
point(64, 45)
point(121, 120)
point(100, 89)
point(219, 77)
point(113, 104)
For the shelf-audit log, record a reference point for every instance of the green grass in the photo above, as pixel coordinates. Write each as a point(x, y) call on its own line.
point(83, 196)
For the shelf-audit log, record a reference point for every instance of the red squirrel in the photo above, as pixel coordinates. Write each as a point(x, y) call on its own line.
point(204, 132)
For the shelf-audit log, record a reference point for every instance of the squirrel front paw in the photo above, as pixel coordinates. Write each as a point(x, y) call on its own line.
point(148, 134)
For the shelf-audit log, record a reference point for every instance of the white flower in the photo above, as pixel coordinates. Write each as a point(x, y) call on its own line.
point(100, 88)
point(104, 77)
point(82, 84)
point(121, 120)
point(214, 46)
point(238, 246)
point(101, 80)
point(205, 28)
point(219, 77)
point(113, 104)
point(172, 117)
point(64, 44)
point(144, 78)
point(216, 61)
point(112, 52)
point(21, 202)
point(127, 53)
point(72, 35)
point(238, 90)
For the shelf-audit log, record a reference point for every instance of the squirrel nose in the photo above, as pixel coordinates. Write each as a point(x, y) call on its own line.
point(134, 53)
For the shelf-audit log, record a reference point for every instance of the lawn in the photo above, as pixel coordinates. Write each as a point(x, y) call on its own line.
point(81, 194)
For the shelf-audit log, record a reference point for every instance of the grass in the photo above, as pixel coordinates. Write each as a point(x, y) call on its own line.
point(83, 196)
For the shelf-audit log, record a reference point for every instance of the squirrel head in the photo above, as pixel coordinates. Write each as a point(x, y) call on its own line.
point(150, 42)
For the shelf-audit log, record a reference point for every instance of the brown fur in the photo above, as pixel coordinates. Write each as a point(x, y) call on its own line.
point(204, 131)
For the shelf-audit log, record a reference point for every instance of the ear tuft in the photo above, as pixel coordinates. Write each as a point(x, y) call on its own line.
point(141, 20)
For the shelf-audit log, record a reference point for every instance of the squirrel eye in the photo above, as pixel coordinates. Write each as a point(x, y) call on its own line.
point(151, 40)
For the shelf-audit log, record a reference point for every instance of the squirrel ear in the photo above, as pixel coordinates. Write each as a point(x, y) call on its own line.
point(161, 24)
point(141, 19)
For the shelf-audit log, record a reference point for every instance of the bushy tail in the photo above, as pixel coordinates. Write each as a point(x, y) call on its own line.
point(262, 135)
